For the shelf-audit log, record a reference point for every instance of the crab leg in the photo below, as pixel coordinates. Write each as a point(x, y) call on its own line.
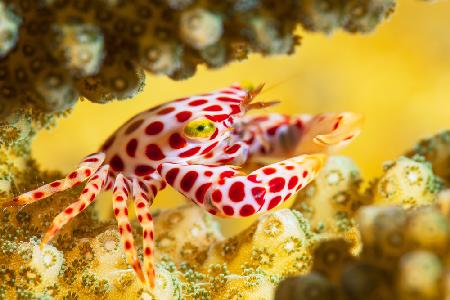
point(120, 196)
point(88, 195)
point(143, 193)
point(224, 191)
point(86, 168)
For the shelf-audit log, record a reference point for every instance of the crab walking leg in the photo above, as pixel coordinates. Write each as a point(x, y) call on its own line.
point(88, 195)
point(120, 196)
point(143, 193)
point(224, 191)
point(86, 168)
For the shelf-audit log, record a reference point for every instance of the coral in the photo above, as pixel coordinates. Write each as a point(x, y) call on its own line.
point(54, 52)
point(352, 16)
point(331, 200)
point(407, 182)
point(436, 150)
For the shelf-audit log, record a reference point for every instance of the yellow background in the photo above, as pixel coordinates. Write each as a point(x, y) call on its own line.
point(398, 76)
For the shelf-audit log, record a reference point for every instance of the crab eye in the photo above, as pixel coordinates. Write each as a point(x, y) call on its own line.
point(200, 128)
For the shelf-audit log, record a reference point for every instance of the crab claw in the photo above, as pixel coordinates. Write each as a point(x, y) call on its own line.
point(329, 132)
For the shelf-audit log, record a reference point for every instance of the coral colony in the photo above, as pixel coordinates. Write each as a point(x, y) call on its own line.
point(344, 237)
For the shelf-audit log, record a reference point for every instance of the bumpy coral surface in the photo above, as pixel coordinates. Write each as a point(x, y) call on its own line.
point(52, 52)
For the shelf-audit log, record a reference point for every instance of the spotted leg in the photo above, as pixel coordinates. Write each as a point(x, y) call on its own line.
point(224, 191)
point(120, 196)
point(144, 191)
point(88, 195)
point(85, 169)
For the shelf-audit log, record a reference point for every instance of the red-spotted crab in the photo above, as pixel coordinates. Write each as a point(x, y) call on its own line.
point(194, 145)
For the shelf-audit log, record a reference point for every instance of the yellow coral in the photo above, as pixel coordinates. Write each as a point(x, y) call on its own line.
point(406, 182)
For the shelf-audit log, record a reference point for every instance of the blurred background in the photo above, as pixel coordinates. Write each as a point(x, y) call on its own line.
point(398, 77)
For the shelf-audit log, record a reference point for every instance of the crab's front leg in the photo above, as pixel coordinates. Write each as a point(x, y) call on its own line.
point(225, 191)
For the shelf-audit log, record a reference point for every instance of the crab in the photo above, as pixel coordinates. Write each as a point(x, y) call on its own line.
point(195, 145)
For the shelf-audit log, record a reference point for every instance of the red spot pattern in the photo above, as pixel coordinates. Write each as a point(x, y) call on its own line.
point(127, 245)
point(55, 184)
point(292, 182)
point(233, 149)
point(153, 152)
point(133, 126)
point(208, 173)
point(269, 171)
point(276, 184)
point(272, 130)
point(237, 192)
point(176, 141)
point(201, 192)
point(305, 173)
point(166, 110)
point(117, 163)
point(142, 170)
point(189, 152)
point(253, 178)
point(148, 251)
point(131, 147)
point(188, 180)
point(92, 159)
point(82, 207)
point(68, 210)
point(247, 210)
point(259, 193)
point(290, 168)
point(213, 108)
point(209, 148)
point(228, 210)
point(38, 195)
point(154, 128)
point(183, 116)
point(216, 196)
point(172, 175)
point(218, 118)
point(274, 202)
point(235, 109)
point(197, 102)
point(214, 135)
point(73, 175)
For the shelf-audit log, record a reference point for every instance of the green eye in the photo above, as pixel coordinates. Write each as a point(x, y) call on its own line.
point(200, 128)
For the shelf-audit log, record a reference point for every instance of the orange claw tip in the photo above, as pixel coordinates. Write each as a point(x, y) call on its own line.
point(349, 129)
point(317, 160)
